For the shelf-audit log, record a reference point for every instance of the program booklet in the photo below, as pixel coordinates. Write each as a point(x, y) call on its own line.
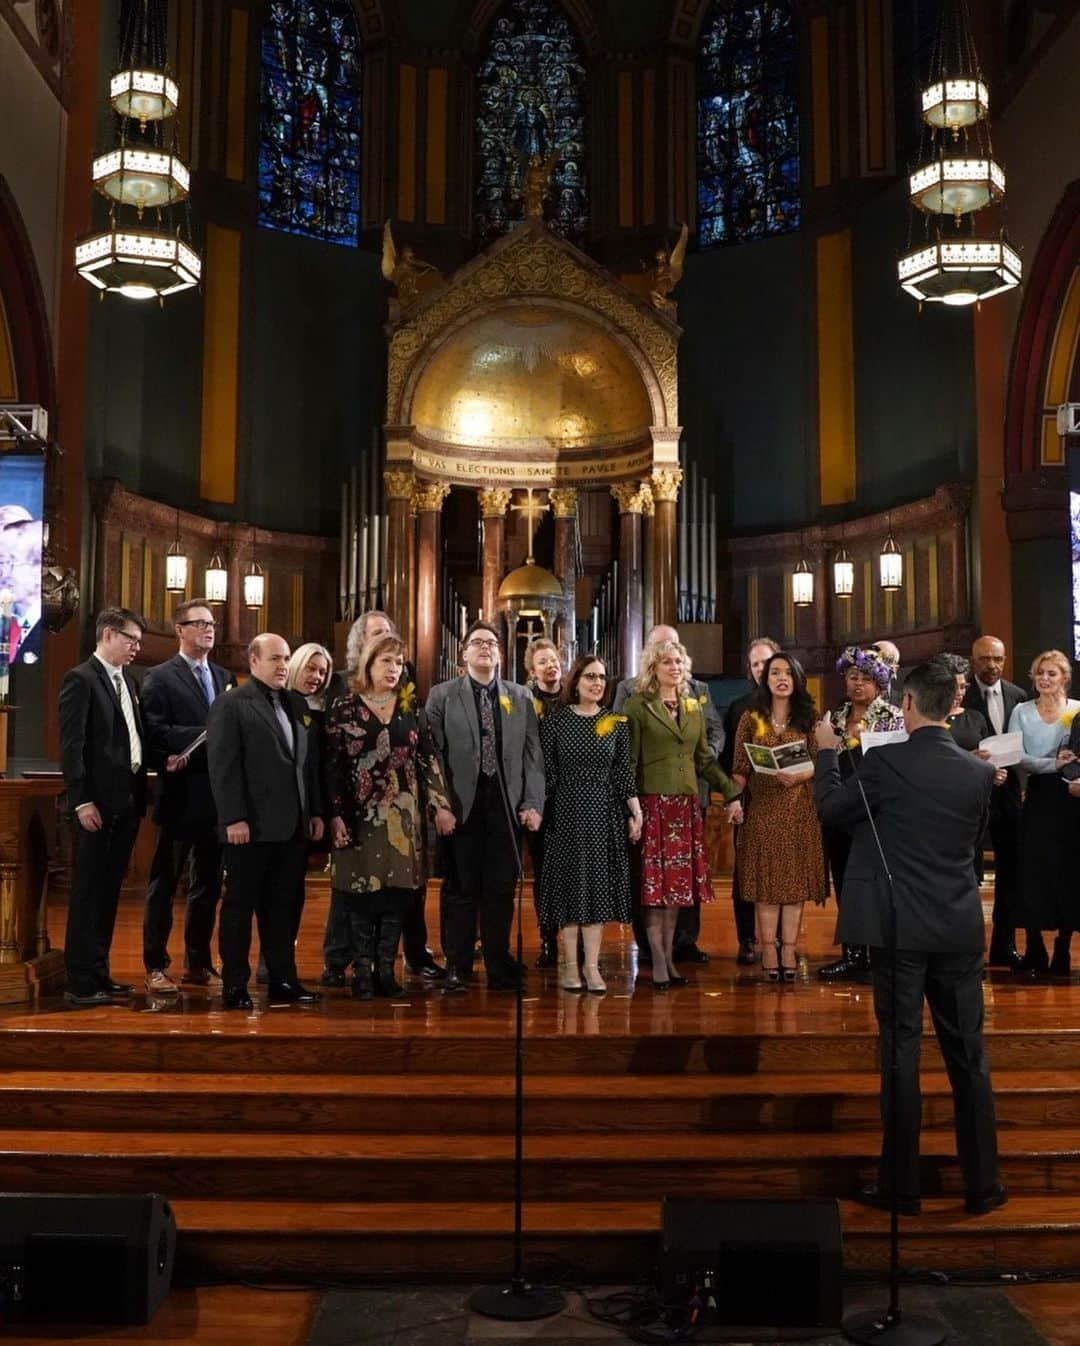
point(788, 759)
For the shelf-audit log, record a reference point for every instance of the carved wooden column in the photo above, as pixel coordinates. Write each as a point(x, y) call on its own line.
point(665, 484)
point(564, 505)
point(494, 501)
point(648, 560)
point(399, 489)
point(428, 498)
point(630, 496)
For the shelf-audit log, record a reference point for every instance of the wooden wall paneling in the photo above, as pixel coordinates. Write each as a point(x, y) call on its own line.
point(910, 585)
point(648, 147)
point(874, 26)
point(624, 100)
point(841, 51)
point(682, 143)
point(236, 96)
point(407, 132)
point(436, 144)
point(212, 122)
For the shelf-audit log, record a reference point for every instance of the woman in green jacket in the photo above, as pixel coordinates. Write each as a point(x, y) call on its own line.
point(668, 752)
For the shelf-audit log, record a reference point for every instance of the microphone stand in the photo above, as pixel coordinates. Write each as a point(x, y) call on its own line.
point(890, 1327)
point(517, 1301)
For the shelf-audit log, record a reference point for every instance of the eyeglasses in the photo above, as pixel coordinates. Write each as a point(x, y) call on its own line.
point(133, 641)
point(594, 677)
point(200, 624)
point(482, 645)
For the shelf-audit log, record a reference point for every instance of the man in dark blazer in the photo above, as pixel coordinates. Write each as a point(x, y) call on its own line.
point(485, 729)
point(758, 653)
point(103, 758)
point(688, 927)
point(176, 700)
point(265, 783)
point(996, 698)
point(929, 800)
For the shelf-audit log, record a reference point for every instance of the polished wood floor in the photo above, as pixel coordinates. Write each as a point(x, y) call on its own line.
point(373, 1140)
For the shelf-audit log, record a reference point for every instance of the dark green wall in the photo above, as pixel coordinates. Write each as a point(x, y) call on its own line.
point(1042, 602)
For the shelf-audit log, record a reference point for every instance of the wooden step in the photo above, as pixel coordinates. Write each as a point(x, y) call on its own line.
point(596, 1239)
point(394, 1167)
point(777, 1102)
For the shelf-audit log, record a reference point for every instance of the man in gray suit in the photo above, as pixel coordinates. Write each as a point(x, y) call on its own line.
point(487, 734)
point(265, 780)
point(689, 923)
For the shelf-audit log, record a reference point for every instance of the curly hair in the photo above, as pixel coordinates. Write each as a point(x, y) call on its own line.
point(868, 661)
point(802, 711)
point(647, 683)
point(361, 675)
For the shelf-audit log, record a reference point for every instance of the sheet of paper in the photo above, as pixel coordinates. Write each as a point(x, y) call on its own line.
point(879, 738)
point(1004, 749)
point(196, 742)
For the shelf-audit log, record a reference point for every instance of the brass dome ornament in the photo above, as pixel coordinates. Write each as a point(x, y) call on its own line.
point(530, 581)
point(956, 175)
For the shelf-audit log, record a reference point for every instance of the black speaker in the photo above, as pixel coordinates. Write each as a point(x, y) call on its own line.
point(91, 1258)
point(753, 1263)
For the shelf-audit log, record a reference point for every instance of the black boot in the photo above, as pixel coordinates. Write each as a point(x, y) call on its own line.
point(1003, 951)
point(1061, 964)
point(549, 949)
point(386, 954)
point(362, 934)
point(850, 966)
point(1035, 960)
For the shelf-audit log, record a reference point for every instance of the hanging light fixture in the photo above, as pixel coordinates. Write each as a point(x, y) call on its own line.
point(216, 580)
point(143, 172)
point(843, 574)
point(254, 580)
point(956, 175)
point(176, 565)
point(891, 565)
point(802, 581)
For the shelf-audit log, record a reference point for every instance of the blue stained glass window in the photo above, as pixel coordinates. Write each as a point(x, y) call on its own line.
point(531, 98)
point(748, 123)
point(309, 150)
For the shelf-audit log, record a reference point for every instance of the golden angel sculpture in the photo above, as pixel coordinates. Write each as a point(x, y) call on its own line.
point(535, 181)
point(403, 270)
point(666, 274)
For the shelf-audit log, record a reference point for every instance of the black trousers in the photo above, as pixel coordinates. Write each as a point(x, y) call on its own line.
point(338, 939)
point(484, 875)
point(951, 984)
point(1004, 829)
point(261, 878)
point(745, 923)
point(99, 863)
point(173, 853)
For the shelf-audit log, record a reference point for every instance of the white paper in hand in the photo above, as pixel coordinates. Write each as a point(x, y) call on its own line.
point(1004, 749)
point(878, 738)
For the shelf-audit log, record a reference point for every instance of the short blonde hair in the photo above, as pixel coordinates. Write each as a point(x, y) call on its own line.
point(302, 657)
point(369, 652)
point(647, 682)
point(1055, 657)
point(534, 647)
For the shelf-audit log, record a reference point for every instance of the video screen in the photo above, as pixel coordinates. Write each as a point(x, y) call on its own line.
point(22, 507)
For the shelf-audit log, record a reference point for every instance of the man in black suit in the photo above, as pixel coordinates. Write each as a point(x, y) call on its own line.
point(103, 758)
point(989, 692)
point(265, 782)
point(176, 698)
point(758, 652)
point(921, 915)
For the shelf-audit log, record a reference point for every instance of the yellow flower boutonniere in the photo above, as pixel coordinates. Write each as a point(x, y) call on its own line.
point(852, 741)
point(538, 706)
point(407, 698)
point(761, 727)
point(307, 721)
point(1067, 719)
point(689, 704)
point(506, 704)
point(703, 698)
point(606, 723)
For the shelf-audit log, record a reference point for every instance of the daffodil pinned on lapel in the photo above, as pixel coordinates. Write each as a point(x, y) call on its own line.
point(1067, 719)
point(606, 723)
point(538, 706)
point(761, 725)
point(407, 698)
point(307, 721)
point(690, 704)
point(506, 704)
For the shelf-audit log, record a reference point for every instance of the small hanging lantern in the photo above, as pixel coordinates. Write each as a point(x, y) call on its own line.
point(891, 566)
point(216, 584)
point(802, 584)
point(254, 580)
point(843, 574)
point(176, 565)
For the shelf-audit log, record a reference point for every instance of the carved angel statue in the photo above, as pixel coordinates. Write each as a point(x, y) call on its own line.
point(403, 270)
point(535, 181)
point(667, 272)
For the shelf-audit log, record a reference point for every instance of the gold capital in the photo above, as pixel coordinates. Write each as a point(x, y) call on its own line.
point(429, 496)
point(631, 496)
point(666, 482)
point(563, 501)
point(399, 485)
point(494, 501)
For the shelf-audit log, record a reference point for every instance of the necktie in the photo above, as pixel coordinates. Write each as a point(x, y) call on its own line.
point(207, 682)
point(995, 709)
point(134, 744)
point(488, 763)
point(282, 719)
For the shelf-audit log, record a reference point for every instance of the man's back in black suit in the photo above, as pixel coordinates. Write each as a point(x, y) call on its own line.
point(929, 801)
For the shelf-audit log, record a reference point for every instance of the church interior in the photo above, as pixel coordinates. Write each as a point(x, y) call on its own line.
point(578, 317)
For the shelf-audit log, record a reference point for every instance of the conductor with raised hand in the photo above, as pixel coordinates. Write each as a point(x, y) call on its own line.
point(928, 799)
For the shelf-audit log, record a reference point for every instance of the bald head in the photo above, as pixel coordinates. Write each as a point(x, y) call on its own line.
point(268, 659)
point(661, 633)
point(988, 660)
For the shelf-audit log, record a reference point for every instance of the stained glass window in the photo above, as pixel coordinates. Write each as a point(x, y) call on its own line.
point(748, 123)
point(309, 150)
point(531, 97)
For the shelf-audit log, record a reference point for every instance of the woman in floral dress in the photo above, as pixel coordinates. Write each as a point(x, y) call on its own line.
point(384, 779)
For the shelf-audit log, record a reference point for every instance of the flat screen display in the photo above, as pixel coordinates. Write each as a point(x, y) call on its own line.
point(22, 501)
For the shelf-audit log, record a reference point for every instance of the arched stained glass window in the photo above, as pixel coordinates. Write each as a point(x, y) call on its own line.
point(748, 122)
point(309, 149)
point(531, 98)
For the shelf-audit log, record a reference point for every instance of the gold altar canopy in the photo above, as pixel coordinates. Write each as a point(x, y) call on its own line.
point(530, 366)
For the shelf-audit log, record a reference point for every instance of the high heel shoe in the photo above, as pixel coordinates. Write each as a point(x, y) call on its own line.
point(675, 980)
point(787, 972)
point(771, 973)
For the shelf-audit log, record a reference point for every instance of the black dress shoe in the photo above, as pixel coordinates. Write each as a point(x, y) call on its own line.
point(332, 976)
point(454, 982)
point(236, 998)
point(982, 1203)
point(661, 985)
point(292, 993)
point(119, 990)
point(86, 999)
point(690, 953)
point(746, 957)
point(425, 967)
point(678, 981)
point(873, 1194)
point(505, 982)
point(1004, 955)
point(549, 952)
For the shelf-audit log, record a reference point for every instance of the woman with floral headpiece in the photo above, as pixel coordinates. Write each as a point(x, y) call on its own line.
point(865, 709)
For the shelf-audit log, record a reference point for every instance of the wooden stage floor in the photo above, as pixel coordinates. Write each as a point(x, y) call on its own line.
point(373, 1140)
